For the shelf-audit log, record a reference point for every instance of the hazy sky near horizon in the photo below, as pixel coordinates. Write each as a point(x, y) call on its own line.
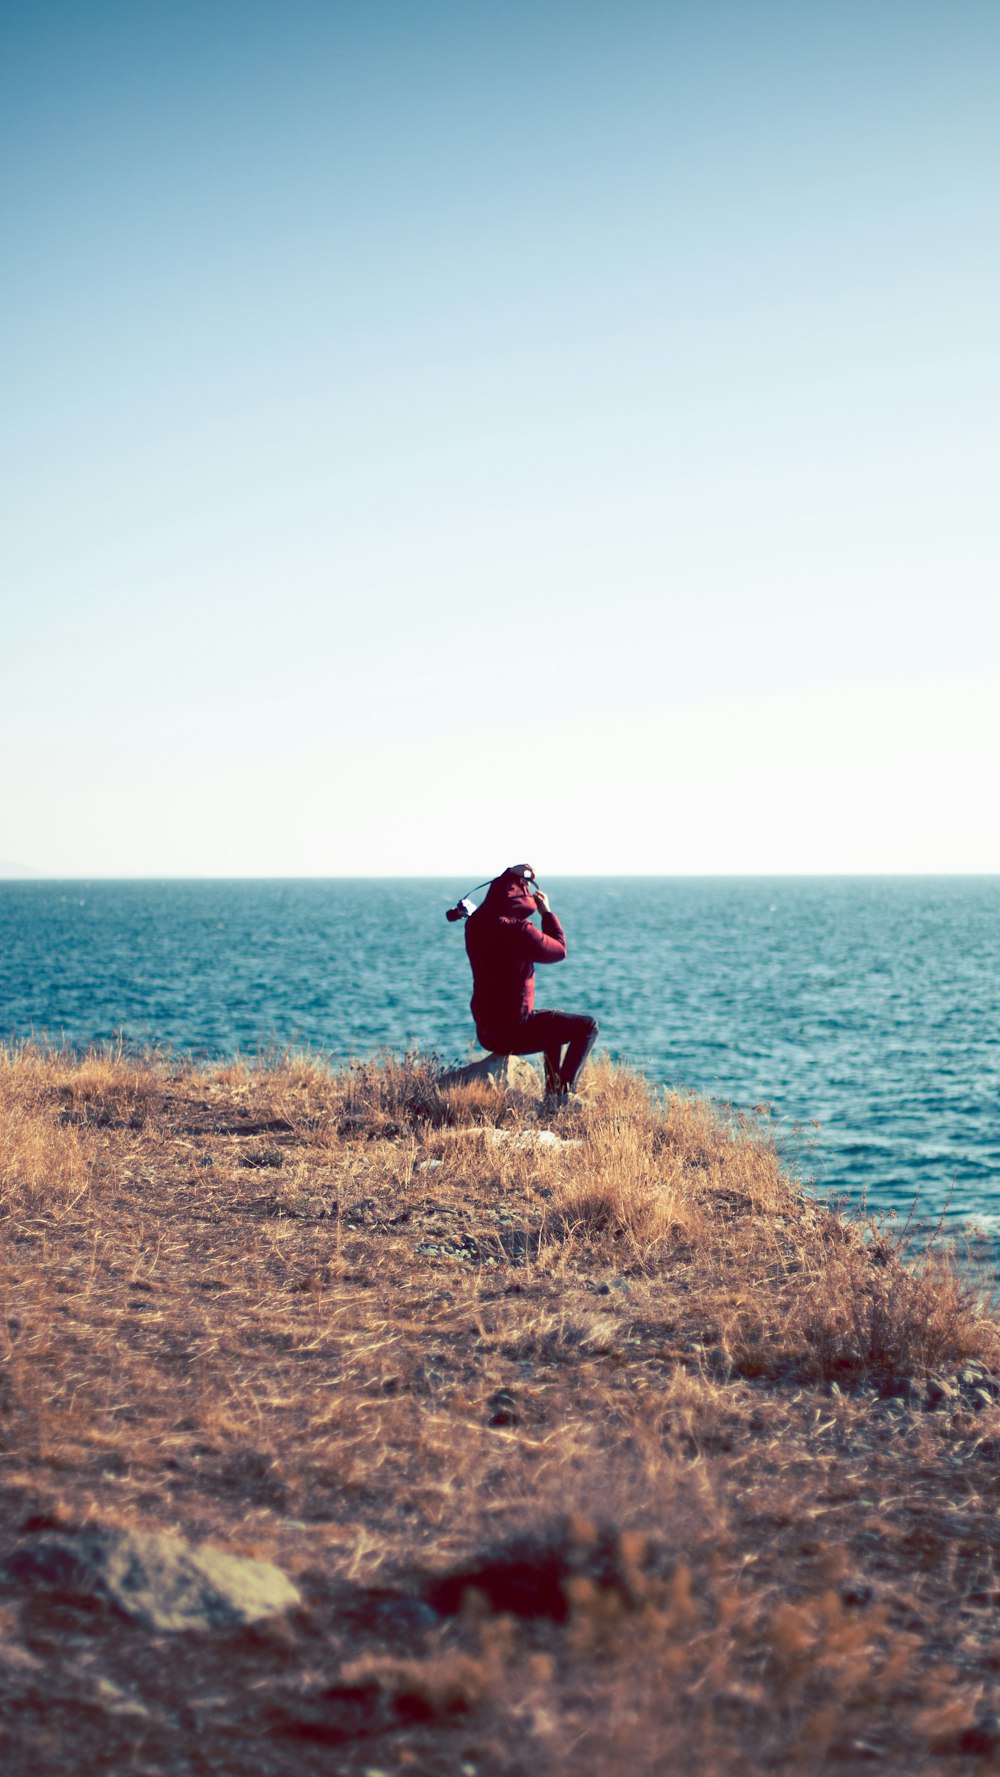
point(437, 433)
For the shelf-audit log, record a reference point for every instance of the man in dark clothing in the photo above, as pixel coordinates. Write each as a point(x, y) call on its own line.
point(504, 945)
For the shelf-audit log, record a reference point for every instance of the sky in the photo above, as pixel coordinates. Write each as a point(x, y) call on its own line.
point(439, 433)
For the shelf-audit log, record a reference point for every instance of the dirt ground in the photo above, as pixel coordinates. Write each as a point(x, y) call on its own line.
point(591, 1445)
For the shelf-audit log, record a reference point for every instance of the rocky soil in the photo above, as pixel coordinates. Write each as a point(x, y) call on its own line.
point(360, 1426)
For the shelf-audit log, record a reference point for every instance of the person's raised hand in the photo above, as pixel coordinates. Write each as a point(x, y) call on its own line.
point(541, 901)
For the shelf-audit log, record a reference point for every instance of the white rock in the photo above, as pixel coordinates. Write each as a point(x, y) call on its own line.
point(507, 1073)
point(160, 1581)
point(529, 1138)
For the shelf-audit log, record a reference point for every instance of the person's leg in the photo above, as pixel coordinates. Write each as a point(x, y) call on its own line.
point(534, 1035)
point(552, 1056)
point(581, 1042)
point(548, 1033)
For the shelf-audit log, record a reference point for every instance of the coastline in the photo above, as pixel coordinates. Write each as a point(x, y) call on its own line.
point(863, 1014)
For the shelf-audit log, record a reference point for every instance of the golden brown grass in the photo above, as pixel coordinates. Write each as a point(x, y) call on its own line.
point(616, 1455)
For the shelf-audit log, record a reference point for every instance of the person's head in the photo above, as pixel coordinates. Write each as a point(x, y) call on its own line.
point(511, 894)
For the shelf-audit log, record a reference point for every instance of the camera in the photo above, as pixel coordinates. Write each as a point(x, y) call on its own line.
point(464, 907)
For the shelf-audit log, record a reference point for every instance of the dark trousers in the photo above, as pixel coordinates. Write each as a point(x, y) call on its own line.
point(546, 1033)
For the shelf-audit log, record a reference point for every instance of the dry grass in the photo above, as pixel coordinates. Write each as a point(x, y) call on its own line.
point(615, 1455)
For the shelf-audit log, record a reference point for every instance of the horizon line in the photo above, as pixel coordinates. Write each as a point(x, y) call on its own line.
point(41, 877)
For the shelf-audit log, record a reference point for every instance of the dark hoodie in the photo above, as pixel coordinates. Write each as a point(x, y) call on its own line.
point(503, 946)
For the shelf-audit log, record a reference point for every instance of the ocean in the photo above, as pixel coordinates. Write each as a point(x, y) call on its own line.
point(863, 1011)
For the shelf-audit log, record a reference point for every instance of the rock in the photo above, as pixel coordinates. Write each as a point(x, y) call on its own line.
point(118, 1702)
point(529, 1138)
point(905, 1392)
point(506, 1073)
point(159, 1581)
point(504, 1408)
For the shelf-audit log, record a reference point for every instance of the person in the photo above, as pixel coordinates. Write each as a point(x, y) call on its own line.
point(503, 945)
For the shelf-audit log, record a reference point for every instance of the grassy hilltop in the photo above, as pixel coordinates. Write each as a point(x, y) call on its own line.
point(615, 1453)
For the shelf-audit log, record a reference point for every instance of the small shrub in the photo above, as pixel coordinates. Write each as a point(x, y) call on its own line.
point(384, 1096)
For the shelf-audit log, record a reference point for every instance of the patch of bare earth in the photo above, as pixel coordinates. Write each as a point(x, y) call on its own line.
point(610, 1454)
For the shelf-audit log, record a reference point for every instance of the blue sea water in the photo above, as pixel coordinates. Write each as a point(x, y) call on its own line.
point(862, 1010)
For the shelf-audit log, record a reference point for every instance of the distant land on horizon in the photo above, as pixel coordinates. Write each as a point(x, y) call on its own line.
point(9, 870)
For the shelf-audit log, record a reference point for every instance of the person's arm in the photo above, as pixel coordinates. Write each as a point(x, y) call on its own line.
point(549, 944)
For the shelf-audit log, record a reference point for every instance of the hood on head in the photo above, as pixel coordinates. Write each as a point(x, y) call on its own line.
point(510, 896)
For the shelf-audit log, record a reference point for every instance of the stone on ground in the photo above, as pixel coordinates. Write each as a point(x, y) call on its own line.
point(529, 1138)
point(507, 1073)
point(159, 1581)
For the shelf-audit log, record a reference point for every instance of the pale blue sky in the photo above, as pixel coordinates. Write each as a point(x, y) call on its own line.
point(443, 431)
